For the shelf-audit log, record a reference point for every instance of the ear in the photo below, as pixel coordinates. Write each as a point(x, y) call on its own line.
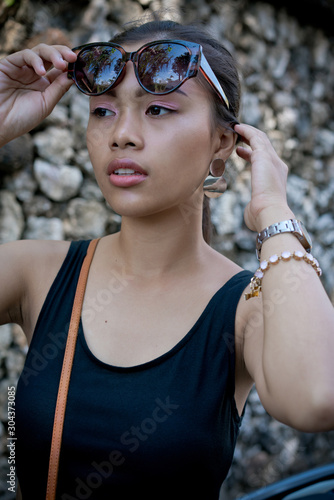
point(224, 144)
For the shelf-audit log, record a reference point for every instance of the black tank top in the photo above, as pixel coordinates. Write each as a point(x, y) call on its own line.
point(163, 429)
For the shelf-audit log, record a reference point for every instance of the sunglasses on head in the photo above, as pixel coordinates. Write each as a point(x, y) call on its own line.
point(160, 67)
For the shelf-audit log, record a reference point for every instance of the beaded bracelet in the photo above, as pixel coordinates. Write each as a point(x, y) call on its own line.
point(256, 281)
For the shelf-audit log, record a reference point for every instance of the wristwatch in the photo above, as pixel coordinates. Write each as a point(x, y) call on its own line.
point(296, 227)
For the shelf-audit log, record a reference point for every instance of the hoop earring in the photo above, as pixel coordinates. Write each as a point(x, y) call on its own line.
point(214, 187)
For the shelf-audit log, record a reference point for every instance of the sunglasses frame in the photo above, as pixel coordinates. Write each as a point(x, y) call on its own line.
point(198, 62)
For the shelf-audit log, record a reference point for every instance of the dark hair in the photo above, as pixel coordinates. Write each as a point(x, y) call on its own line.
point(221, 62)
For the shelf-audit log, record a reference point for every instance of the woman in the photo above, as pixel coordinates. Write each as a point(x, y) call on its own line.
point(168, 349)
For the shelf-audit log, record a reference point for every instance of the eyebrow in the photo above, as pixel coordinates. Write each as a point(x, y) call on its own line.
point(140, 92)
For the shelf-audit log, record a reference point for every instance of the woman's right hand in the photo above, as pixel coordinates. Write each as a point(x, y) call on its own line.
point(29, 89)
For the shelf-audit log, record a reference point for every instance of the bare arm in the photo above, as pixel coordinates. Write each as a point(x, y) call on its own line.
point(31, 84)
point(289, 331)
point(13, 283)
point(27, 270)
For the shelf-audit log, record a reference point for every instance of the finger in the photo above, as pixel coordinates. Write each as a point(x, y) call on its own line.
point(27, 58)
point(245, 130)
point(239, 129)
point(55, 53)
point(244, 153)
point(55, 91)
point(254, 137)
point(42, 57)
point(53, 74)
point(51, 56)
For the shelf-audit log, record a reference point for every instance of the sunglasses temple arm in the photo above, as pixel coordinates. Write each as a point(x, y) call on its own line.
point(70, 70)
point(212, 79)
point(70, 74)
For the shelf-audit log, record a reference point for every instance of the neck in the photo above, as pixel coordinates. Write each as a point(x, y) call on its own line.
point(160, 244)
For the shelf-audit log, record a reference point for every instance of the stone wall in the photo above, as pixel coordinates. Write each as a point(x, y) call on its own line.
point(47, 187)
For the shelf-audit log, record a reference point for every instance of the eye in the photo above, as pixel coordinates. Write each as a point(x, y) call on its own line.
point(156, 110)
point(102, 112)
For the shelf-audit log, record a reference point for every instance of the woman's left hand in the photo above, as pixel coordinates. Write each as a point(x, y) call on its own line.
point(269, 176)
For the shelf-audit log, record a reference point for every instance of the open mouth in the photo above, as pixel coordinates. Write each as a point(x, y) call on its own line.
point(126, 171)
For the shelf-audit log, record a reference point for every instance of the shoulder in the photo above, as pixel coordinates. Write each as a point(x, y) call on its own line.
point(36, 256)
point(220, 268)
point(29, 268)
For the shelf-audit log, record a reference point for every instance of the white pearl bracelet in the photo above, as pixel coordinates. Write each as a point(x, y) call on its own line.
point(256, 281)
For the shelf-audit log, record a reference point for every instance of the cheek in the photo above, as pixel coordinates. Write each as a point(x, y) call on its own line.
point(191, 149)
point(94, 139)
point(98, 148)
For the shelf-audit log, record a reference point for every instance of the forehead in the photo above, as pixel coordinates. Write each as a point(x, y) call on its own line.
point(132, 46)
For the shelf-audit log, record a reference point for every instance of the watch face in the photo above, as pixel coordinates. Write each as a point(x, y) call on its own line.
point(306, 235)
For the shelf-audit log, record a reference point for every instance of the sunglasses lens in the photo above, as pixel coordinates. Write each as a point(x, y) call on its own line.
point(162, 67)
point(97, 68)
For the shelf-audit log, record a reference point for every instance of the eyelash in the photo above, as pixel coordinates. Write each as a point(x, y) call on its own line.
point(100, 112)
point(168, 110)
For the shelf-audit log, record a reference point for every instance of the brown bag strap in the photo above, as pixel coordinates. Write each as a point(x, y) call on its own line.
point(66, 373)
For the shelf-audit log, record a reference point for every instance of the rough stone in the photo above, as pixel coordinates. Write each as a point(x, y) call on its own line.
point(23, 184)
point(16, 154)
point(227, 215)
point(5, 337)
point(79, 109)
point(85, 219)
point(59, 183)
point(287, 71)
point(11, 218)
point(55, 145)
point(324, 143)
point(44, 228)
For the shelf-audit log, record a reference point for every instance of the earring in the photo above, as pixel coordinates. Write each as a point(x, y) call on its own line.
point(217, 167)
point(215, 186)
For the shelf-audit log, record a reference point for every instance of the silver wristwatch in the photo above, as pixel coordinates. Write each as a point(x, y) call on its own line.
point(296, 227)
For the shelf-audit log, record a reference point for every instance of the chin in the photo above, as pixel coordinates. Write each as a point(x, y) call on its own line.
point(133, 208)
point(142, 208)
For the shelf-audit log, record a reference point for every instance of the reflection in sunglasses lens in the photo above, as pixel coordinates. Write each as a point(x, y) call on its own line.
point(97, 68)
point(162, 67)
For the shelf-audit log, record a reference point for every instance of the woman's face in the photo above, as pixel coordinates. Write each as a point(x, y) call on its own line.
point(151, 153)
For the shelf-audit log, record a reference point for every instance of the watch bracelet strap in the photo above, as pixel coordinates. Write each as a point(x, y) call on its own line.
point(286, 226)
point(58, 423)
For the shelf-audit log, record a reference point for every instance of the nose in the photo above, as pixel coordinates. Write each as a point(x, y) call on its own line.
point(127, 130)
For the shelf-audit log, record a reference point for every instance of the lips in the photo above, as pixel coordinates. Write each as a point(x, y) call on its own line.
point(125, 164)
point(124, 172)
